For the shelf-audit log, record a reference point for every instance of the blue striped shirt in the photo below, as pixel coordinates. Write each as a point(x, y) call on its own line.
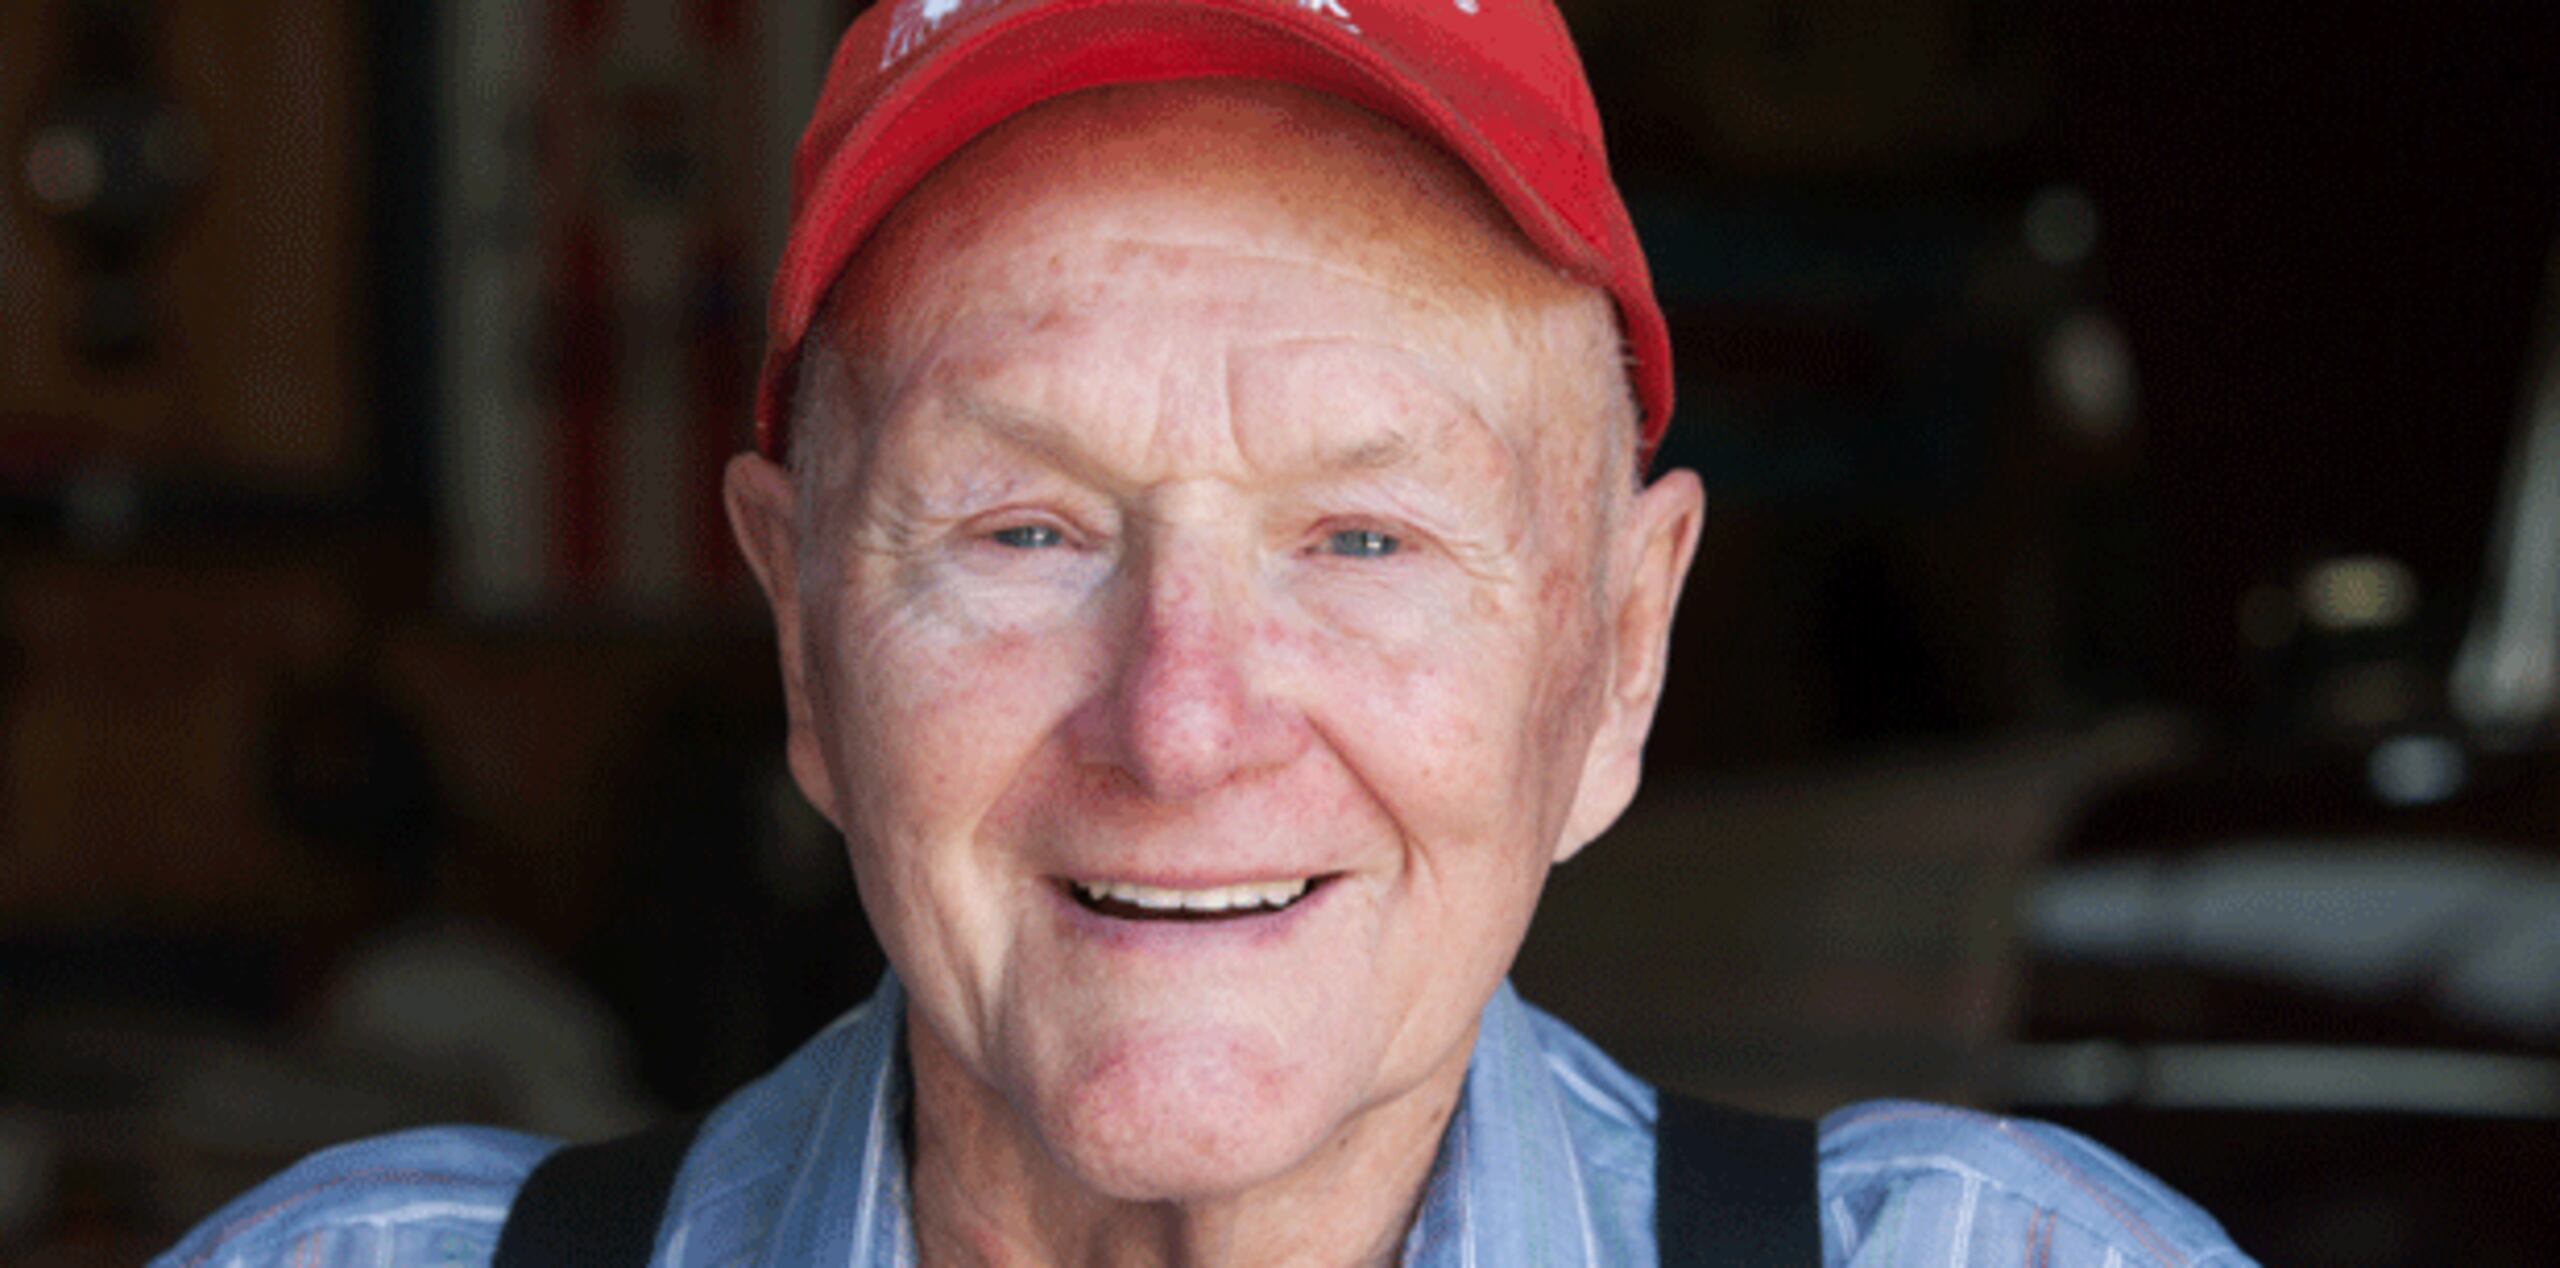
point(1547, 1161)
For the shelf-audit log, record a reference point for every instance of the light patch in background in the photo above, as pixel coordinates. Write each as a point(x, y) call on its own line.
point(64, 170)
point(2060, 226)
point(490, 440)
point(2357, 592)
point(2089, 371)
point(2416, 770)
point(2477, 929)
point(2506, 678)
point(2286, 1077)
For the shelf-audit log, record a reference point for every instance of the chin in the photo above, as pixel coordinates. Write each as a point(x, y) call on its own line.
point(1188, 1118)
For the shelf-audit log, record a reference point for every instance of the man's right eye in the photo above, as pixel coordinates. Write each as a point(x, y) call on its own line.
point(1029, 537)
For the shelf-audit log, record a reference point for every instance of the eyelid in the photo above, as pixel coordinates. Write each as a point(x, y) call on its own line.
point(983, 529)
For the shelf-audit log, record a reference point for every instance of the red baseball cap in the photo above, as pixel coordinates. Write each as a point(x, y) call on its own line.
point(1495, 82)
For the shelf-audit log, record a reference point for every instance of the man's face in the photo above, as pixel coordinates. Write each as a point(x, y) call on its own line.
point(1217, 602)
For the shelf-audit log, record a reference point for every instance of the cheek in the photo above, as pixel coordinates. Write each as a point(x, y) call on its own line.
point(1425, 722)
point(1470, 724)
point(937, 723)
point(1568, 611)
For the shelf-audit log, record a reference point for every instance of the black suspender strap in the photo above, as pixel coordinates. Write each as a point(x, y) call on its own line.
point(595, 1206)
point(1733, 1189)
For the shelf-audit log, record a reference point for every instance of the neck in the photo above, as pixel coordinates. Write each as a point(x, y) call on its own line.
point(987, 1192)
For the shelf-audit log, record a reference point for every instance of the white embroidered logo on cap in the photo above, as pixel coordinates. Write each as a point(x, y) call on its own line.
point(1332, 9)
point(915, 22)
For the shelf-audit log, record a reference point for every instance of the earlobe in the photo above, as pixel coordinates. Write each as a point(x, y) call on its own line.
point(763, 511)
point(1658, 539)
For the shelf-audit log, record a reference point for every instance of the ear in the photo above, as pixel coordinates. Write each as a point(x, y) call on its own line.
point(1650, 563)
point(764, 513)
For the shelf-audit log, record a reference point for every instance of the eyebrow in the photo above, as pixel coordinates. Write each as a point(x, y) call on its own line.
point(1045, 438)
point(1020, 429)
point(1389, 450)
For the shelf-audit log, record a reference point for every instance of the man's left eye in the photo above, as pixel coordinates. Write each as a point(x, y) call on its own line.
point(1362, 543)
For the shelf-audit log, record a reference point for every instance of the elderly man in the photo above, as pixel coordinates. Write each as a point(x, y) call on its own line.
point(1200, 501)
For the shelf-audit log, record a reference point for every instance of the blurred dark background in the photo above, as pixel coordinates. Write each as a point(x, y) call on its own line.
point(2116, 686)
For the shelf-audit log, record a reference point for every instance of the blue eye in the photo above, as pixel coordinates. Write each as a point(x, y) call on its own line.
point(1362, 543)
point(1029, 537)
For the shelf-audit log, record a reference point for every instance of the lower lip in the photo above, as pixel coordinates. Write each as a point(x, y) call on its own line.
point(1251, 931)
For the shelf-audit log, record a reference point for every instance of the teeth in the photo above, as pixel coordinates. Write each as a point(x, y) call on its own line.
point(1271, 894)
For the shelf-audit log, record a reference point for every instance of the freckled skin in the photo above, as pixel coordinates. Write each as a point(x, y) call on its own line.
point(1067, 599)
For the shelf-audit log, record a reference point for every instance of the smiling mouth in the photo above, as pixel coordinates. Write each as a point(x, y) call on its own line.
point(1122, 901)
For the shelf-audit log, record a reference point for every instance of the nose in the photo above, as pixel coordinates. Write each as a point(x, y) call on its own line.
point(1186, 709)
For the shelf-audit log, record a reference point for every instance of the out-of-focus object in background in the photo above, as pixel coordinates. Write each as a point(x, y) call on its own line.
point(1815, 91)
point(1922, 422)
point(28, 1158)
point(111, 160)
point(178, 240)
point(2506, 680)
point(1800, 937)
point(456, 1008)
point(727, 930)
point(2341, 940)
point(611, 174)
